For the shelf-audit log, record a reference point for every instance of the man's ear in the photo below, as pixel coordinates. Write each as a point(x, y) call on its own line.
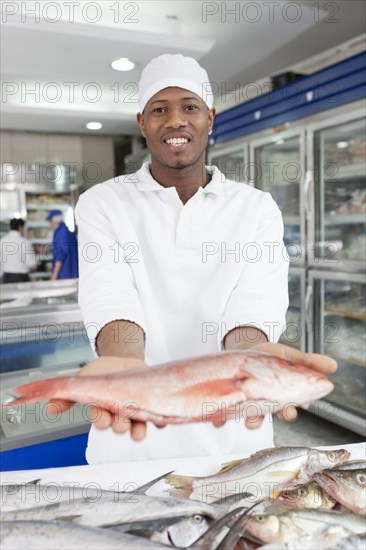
point(211, 117)
point(141, 123)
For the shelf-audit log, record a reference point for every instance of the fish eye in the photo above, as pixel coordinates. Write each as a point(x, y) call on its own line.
point(361, 479)
point(302, 491)
point(260, 518)
point(197, 518)
point(332, 456)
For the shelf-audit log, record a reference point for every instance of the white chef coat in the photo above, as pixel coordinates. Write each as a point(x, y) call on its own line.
point(16, 254)
point(187, 274)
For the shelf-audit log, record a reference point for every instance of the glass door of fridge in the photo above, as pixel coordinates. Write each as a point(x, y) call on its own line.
point(337, 228)
point(294, 334)
point(232, 161)
point(278, 166)
point(337, 328)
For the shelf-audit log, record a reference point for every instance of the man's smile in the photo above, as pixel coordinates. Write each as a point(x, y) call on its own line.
point(176, 142)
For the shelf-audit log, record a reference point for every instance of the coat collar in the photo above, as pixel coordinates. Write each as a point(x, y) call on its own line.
point(145, 182)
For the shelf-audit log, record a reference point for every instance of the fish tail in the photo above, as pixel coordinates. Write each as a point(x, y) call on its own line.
point(182, 486)
point(37, 391)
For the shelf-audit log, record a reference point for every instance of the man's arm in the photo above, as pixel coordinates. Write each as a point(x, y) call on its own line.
point(56, 270)
point(244, 338)
point(121, 339)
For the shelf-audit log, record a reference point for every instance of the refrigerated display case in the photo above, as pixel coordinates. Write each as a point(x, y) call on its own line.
point(42, 335)
point(232, 161)
point(315, 168)
point(278, 167)
point(294, 334)
point(337, 229)
point(31, 424)
point(336, 327)
point(41, 327)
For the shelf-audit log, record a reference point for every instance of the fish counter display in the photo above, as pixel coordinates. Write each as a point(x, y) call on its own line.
point(283, 497)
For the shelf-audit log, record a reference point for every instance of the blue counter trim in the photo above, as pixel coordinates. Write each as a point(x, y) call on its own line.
point(334, 86)
point(69, 451)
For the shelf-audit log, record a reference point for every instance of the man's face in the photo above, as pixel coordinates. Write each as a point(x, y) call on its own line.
point(53, 225)
point(176, 123)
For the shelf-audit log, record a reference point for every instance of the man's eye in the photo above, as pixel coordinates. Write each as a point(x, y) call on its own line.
point(158, 110)
point(191, 107)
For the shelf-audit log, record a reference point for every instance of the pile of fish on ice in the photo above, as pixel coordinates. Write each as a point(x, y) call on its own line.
point(286, 497)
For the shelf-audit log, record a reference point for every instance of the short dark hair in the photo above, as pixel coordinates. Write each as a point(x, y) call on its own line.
point(15, 223)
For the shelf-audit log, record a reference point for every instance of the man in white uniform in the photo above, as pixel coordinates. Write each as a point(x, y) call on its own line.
point(177, 261)
point(17, 257)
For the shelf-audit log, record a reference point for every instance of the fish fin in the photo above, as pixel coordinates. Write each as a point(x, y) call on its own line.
point(182, 486)
point(228, 465)
point(68, 518)
point(142, 490)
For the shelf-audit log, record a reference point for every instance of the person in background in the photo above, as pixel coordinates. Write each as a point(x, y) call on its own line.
point(174, 277)
point(64, 248)
point(17, 257)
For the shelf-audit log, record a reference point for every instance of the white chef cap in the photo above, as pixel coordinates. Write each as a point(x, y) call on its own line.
point(174, 70)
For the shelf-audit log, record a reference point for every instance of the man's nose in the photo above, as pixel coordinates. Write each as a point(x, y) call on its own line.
point(176, 119)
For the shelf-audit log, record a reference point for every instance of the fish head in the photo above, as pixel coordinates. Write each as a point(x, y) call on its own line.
point(267, 374)
point(347, 486)
point(322, 460)
point(314, 385)
point(185, 532)
point(307, 496)
point(266, 527)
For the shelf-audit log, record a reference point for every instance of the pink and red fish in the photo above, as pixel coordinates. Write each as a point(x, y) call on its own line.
point(231, 384)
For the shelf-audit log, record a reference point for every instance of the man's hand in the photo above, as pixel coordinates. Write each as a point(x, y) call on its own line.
point(103, 418)
point(320, 363)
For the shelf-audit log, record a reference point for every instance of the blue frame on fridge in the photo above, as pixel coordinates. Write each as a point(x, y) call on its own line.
point(331, 87)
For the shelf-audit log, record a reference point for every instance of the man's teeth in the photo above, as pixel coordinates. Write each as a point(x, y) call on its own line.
point(176, 142)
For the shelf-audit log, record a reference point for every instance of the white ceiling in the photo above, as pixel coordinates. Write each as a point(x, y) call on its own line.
point(55, 60)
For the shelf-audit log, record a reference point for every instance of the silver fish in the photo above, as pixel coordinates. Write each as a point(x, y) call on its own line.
point(264, 474)
point(107, 511)
point(351, 465)
point(327, 539)
point(346, 486)
point(43, 535)
point(30, 495)
point(310, 495)
point(178, 531)
point(300, 523)
point(217, 532)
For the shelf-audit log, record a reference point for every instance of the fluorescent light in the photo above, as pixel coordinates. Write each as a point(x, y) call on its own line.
point(342, 144)
point(122, 64)
point(94, 125)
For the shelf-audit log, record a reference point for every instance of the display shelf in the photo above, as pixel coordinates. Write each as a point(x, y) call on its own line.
point(344, 219)
point(41, 206)
point(357, 316)
point(39, 223)
point(39, 275)
point(40, 241)
point(347, 171)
